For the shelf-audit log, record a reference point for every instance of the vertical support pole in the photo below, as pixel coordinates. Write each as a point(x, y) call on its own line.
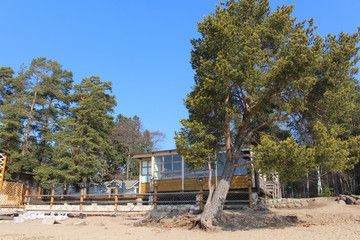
point(52, 198)
point(38, 192)
point(26, 193)
point(127, 167)
point(81, 198)
point(182, 174)
point(155, 196)
point(250, 197)
point(116, 199)
point(201, 198)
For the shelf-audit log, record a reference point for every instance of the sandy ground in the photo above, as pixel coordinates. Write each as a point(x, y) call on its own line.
point(322, 219)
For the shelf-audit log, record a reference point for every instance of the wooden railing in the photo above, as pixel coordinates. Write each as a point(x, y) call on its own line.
point(155, 198)
point(271, 188)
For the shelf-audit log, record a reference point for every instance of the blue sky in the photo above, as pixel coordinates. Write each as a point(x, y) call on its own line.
point(142, 46)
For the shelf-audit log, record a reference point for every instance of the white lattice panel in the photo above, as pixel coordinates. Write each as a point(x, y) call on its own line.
point(2, 164)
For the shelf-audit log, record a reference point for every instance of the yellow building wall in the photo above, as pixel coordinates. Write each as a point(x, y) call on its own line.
point(192, 184)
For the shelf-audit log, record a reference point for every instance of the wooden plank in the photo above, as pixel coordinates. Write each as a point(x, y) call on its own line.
point(173, 185)
point(6, 217)
point(145, 187)
point(192, 184)
point(241, 181)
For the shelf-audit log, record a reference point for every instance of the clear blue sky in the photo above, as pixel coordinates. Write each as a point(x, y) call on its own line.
point(142, 46)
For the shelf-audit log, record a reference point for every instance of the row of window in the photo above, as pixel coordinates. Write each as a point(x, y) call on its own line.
point(173, 167)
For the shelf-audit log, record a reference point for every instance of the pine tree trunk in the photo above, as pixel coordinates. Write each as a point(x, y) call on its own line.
point(211, 188)
point(336, 185)
point(214, 207)
point(307, 186)
point(27, 132)
point(342, 189)
point(319, 188)
point(127, 167)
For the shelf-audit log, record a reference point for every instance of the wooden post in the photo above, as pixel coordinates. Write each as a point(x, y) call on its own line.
point(38, 192)
point(26, 193)
point(116, 199)
point(155, 197)
point(201, 198)
point(250, 198)
point(81, 198)
point(52, 198)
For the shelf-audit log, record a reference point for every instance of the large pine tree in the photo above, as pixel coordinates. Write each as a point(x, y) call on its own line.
point(82, 145)
point(254, 69)
point(12, 105)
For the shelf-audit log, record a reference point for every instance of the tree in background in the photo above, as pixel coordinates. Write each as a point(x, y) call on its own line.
point(48, 85)
point(12, 116)
point(291, 160)
point(35, 101)
point(54, 103)
point(254, 70)
point(63, 133)
point(82, 145)
point(336, 88)
point(127, 137)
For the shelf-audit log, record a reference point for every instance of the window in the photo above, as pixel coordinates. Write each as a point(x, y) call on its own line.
point(243, 170)
point(168, 167)
point(196, 173)
point(145, 171)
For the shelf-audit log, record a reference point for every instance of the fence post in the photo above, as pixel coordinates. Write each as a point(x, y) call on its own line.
point(38, 192)
point(201, 198)
point(81, 198)
point(52, 197)
point(116, 199)
point(250, 197)
point(155, 196)
point(26, 193)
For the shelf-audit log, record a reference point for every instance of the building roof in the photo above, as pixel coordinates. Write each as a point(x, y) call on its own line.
point(165, 152)
point(128, 183)
point(153, 153)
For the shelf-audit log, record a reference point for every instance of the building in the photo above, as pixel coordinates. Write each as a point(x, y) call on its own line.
point(170, 173)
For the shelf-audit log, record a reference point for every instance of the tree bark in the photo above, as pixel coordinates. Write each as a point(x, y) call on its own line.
point(27, 132)
point(307, 186)
point(336, 184)
point(127, 167)
point(319, 185)
point(215, 205)
point(211, 188)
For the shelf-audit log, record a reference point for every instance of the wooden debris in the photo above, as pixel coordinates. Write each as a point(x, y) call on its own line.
point(82, 223)
point(349, 199)
point(8, 216)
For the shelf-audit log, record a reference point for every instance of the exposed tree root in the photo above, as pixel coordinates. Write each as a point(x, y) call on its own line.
point(168, 219)
point(199, 223)
point(226, 221)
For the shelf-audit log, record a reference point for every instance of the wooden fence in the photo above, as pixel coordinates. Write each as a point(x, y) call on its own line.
point(155, 199)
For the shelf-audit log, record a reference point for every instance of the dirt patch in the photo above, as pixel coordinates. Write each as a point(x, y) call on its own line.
point(173, 219)
point(254, 219)
point(228, 221)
